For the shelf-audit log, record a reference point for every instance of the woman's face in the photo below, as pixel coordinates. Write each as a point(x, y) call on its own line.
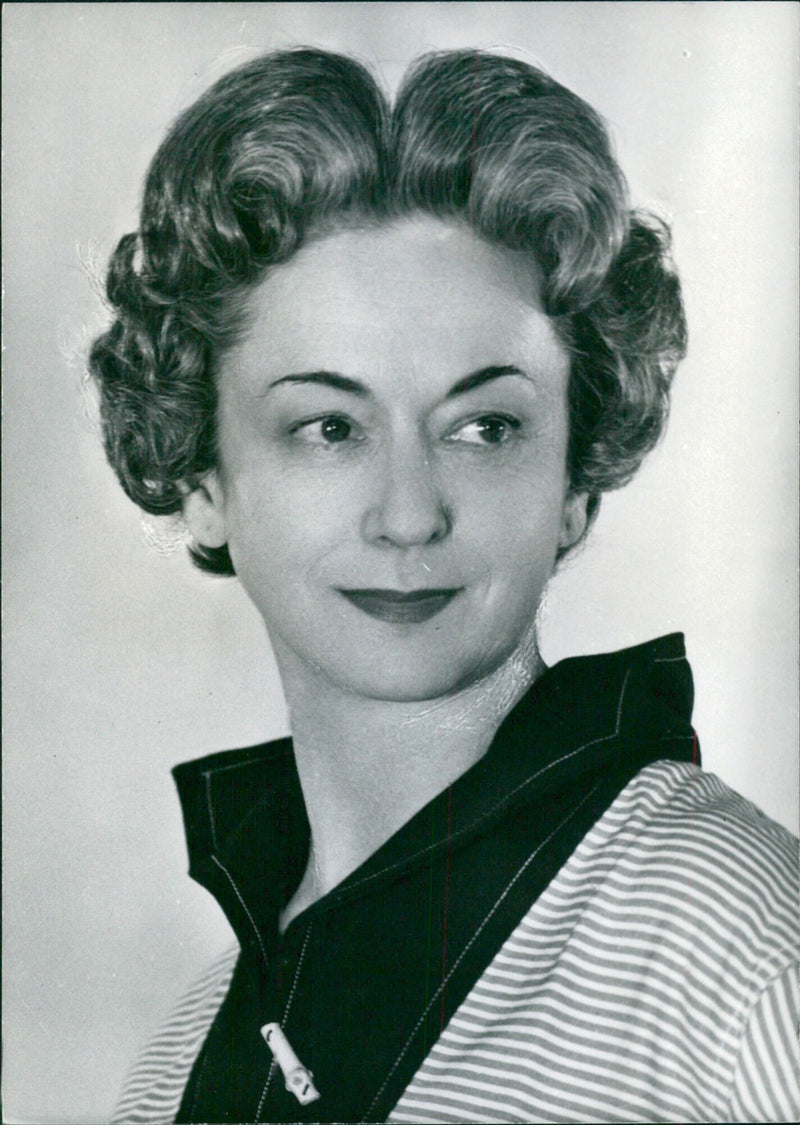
point(393, 437)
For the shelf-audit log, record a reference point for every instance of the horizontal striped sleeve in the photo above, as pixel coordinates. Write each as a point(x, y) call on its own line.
point(767, 1085)
point(153, 1090)
point(625, 992)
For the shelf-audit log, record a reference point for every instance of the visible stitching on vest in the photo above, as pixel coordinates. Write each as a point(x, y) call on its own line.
point(621, 698)
point(198, 1083)
point(210, 807)
point(467, 827)
point(273, 1066)
point(256, 756)
point(223, 868)
point(300, 961)
point(207, 774)
point(508, 796)
point(469, 944)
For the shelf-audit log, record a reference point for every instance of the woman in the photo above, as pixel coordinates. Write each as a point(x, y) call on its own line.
point(385, 361)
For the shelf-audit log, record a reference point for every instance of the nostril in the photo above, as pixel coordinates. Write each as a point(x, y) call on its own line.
point(446, 524)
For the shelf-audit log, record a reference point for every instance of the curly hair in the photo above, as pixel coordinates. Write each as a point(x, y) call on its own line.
point(301, 142)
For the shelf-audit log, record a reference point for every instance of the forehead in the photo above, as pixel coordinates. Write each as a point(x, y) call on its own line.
point(417, 292)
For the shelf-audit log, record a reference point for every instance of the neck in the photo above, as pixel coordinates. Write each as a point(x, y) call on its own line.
point(367, 766)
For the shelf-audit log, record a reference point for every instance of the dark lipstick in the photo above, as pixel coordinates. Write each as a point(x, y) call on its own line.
point(400, 608)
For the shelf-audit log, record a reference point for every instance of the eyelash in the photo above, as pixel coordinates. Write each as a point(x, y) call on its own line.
point(305, 428)
point(511, 423)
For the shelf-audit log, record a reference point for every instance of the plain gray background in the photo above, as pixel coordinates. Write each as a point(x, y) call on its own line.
point(121, 661)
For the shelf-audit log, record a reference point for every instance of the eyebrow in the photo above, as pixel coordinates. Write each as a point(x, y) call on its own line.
point(323, 379)
point(353, 386)
point(484, 375)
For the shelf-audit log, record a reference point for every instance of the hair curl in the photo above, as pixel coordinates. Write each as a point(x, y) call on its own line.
point(304, 141)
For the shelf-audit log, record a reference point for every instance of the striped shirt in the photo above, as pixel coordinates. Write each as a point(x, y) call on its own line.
point(655, 979)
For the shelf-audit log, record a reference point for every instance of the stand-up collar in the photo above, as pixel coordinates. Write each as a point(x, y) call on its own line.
point(246, 823)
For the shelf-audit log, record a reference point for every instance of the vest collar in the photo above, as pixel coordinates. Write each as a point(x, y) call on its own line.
point(246, 824)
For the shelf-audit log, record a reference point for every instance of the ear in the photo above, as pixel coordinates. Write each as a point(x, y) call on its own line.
point(575, 520)
point(204, 512)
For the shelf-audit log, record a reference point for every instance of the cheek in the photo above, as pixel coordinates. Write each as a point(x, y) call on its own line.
point(279, 522)
point(518, 505)
point(516, 531)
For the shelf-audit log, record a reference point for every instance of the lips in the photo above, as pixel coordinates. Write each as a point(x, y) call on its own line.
point(399, 608)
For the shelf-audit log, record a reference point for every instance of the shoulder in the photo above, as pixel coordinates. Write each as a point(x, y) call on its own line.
point(650, 981)
point(682, 849)
point(679, 824)
point(699, 803)
point(153, 1089)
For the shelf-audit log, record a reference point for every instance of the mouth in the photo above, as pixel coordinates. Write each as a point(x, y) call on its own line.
point(400, 608)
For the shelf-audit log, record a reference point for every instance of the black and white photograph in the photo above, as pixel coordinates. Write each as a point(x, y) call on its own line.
point(400, 558)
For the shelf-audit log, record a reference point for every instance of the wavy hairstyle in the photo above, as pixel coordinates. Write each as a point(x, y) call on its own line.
point(299, 142)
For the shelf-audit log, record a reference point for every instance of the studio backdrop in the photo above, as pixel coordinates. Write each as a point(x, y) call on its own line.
point(121, 660)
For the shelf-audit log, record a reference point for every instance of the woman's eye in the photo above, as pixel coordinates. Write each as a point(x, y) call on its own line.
point(332, 429)
point(489, 429)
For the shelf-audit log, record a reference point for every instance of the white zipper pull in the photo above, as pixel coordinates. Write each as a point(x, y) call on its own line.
point(299, 1081)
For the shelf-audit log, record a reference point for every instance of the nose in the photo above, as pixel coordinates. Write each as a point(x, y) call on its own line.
point(407, 508)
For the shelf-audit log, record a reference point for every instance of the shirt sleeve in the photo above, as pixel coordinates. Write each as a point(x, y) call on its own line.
point(767, 1081)
point(153, 1089)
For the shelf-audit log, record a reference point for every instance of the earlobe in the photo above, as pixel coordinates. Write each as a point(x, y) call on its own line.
point(203, 513)
point(575, 520)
